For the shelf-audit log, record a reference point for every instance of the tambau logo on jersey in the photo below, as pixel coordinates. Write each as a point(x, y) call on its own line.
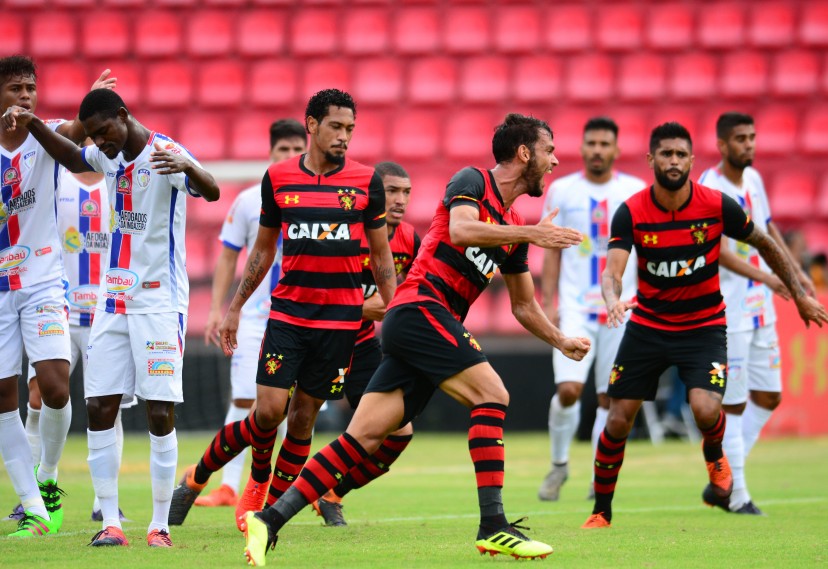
point(673, 269)
point(120, 280)
point(13, 256)
point(319, 231)
point(83, 297)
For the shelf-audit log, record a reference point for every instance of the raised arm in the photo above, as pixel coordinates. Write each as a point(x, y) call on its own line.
point(382, 262)
point(466, 230)
point(57, 146)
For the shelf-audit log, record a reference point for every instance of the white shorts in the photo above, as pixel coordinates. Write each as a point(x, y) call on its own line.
point(136, 354)
point(78, 339)
point(753, 363)
point(34, 318)
point(605, 342)
point(245, 360)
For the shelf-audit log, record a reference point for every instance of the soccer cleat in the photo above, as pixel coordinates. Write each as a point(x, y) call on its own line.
point(714, 500)
point(509, 541)
point(221, 496)
point(330, 509)
point(748, 508)
point(51, 495)
point(258, 538)
point(159, 538)
point(551, 487)
point(252, 499)
point(596, 521)
point(32, 525)
point(16, 515)
point(183, 497)
point(97, 516)
point(721, 478)
point(109, 536)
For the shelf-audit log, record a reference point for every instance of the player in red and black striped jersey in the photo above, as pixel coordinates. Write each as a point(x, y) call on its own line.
point(426, 346)
point(676, 228)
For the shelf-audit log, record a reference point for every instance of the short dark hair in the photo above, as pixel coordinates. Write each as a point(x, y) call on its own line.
point(103, 102)
point(516, 130)
point(601, 123)
point(384, 169)
point(668, 130)
point(286, 128)
point(319, 104)
point(17, 65)
point(728, 121)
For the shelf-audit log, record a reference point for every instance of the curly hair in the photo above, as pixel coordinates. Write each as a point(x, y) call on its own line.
point(17, 66)
point(320, 103)
point(515, 131)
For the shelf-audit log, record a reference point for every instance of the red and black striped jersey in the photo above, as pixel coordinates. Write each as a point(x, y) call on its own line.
point(404, 243)
point(322, 220)
point(455, 276)
point(678, 255)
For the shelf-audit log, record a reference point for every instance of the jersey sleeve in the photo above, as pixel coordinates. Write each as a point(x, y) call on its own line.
point(92, 158)
point(517, 262)
point(734, 220)
point(466, 187)
point(374, 215)
point(271, 215)
point(621, 231)
point(180, 180)
point(234, 229)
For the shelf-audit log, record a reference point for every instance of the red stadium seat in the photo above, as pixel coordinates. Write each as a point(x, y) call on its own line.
point(670, 26)
point(502, 319)
point(273, 2)
point(517, 29)
point(685, 115)
point(416, 31)
point(822, 205)
point(722, 26)
point(378, 81)
point(367, 31)
point(176, 3)
point(776, 130)
point(795, 74)
point(124, 3)
point(204, 134)
point(642, 77)
point(569, 28)
point(816, 235)
point(705, 140)
point(273, 83)
point(25, 4)
point(227, 3)
point(221, 83)
point(200, 296)
point(468, 135)
point(369, 143)
point(427, 189)
point(250, 138)
point(432, 80)
point(209, 34)
point(771, 24)
point(169, 85)
point(813, 27)
point(63, 85)
point(162, 38)
point(484, 80)
point(466, 30)
point(590, 78)
point(130, 81)
point(568, 128)
point(113, 43)
point(814, 138)
point(694, 76)
point(11, 40)
point(261, 32)
point(52, 34)
point(319, 33)
point(163, 123)
point(415, 135)
point(325, 74)
point(634, 126)
point(73, 3)
point(479, 319)
point(792, 195)
point(537, 79)
point(744, 74)
point(619, 27)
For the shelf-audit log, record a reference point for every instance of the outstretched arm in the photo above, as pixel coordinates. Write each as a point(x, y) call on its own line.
point(58, 147)
point(466, 230)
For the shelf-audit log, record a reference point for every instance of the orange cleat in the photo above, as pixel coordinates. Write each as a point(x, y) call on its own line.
point(221, 496)
point(159, 538)
point(252, 500)
point(721, 478)
point(596, 521)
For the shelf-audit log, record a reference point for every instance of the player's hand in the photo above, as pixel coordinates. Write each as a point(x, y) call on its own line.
point(616, 314)
point(16, 116)
point(551, 236)
point(575, 348)
point(228, 329)
point(211, 332)
point(807, 284)
point(776, 285)
point(810, 310)
point(168, 161)
point(104, 81)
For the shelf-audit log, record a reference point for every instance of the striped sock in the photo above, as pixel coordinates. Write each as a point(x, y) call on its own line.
point(712, 439)
point(608, 460)
point(292, 457)
point(488, 455)
point(230, 441)
point(377, 464)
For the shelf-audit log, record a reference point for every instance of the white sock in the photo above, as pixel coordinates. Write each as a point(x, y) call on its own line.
point(54, 426)
point(734, 449)
point(563, 422)
point(17, 458)
point(163, 459)
point(598, 426)
point(119, 445)
point(103, 466)
point(281, 430)
point(231, 473)
point(753, 420)
point(33, 432)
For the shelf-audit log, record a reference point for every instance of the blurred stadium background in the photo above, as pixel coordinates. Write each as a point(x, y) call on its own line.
point(431, 78)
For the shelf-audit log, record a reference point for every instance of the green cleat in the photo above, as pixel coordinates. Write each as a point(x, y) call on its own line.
point(509, 541)
point(259, 539)
point(51, 495)
point(32, 525)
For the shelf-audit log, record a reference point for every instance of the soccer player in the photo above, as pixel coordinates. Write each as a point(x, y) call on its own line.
point(136, 344)
point(32, 299)
point(679, 317)
point(321, 204)
point(571, 286)
point(752, 343)
point(404, 243)
point(475, 232)
point(287, 139)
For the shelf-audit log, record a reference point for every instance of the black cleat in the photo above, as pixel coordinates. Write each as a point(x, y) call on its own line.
point(714, 500)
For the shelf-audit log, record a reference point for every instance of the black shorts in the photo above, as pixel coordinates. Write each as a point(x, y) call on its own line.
point(317, 360)
point(366, 360)
point(645, 352)
point(423, 345)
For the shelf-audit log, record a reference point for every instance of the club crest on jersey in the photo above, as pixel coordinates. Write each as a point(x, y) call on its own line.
point(347, 199)
point(615, 374)
point(481, 260)
point(29, 158)
point(273, 363)
point(72, 241)
point(124, 185)
point(676, 268)
point(142, 178)
point(472, 342)
point(11, 176)
point(699, 233)
point(319, 231)
point(401, 262)
point(90, 208)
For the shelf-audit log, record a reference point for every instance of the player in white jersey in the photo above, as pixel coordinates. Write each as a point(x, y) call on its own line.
point(753, 360)
point(32, 303)
point(137, 340)
point(571, 287)
point(287, 139)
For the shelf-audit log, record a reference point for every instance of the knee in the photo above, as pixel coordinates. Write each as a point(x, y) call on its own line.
point(268, 416)
point(766, 399)
point(568, 393)
point(618, 425)
point(161, 417)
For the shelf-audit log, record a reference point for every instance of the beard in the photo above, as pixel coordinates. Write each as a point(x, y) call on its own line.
point(533, 177)
point(338, 159)
point(668, 183)
point(739, 164)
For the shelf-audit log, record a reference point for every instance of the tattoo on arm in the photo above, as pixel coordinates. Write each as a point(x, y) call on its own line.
point(384, 274)
point(777, 260)
point(254, 276)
